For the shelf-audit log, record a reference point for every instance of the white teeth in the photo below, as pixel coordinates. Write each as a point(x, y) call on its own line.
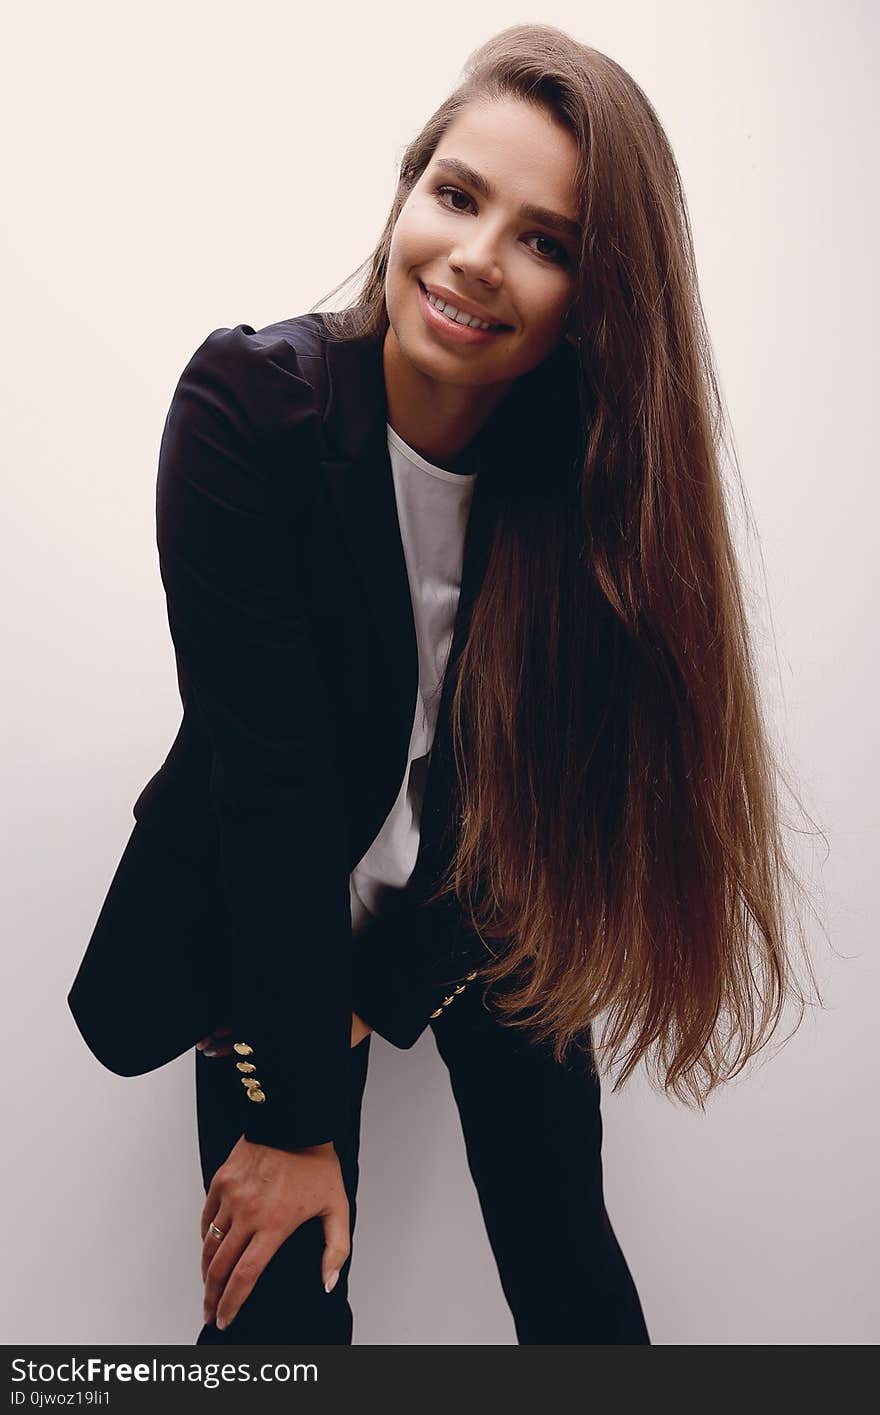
point(458, 316)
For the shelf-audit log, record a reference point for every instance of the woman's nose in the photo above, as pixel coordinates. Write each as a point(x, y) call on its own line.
point(478, 261)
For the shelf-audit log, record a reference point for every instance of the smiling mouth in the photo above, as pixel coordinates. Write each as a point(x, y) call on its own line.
point(490, 329)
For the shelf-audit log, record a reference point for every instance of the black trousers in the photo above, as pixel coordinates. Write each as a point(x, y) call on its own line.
point(533, 1138)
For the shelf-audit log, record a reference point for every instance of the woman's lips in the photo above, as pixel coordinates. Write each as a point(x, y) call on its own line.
point(450, 328)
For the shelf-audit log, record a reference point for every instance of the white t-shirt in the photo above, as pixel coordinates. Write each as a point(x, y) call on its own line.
point(433, 506)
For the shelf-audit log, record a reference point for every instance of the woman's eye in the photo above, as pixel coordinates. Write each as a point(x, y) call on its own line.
point(559, 252)
point(558, 255)
point(455, 191)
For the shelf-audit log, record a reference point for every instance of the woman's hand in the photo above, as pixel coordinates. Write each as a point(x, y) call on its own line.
point(215, 1043)
point(257, 1198)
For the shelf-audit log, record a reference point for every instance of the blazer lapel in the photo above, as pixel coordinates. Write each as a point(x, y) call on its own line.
point(358, 470)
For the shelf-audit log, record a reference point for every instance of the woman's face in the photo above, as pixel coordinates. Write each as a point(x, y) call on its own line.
point(465, 232)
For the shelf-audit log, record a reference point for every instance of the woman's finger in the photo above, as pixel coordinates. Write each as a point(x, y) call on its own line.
point(211, 1206)
point(221, 1221)
point(221, 1265)
point(337, 1243)
point(214, 1046)
point(218, 1048)
point(243, 1277)
point(211, 1039)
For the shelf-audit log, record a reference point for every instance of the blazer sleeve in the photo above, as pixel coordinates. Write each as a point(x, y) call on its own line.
point(238, 454)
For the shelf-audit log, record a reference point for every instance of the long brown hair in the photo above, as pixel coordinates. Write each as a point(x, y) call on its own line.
point(619, 834)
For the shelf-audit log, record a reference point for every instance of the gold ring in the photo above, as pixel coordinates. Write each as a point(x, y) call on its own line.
point(217, 1232)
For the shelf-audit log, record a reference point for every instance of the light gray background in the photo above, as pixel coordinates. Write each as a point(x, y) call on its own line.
point(205, 165)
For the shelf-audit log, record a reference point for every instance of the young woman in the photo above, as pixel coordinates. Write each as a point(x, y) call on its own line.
point(471, 733)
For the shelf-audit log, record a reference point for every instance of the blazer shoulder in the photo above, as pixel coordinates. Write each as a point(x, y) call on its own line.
point(265, 382)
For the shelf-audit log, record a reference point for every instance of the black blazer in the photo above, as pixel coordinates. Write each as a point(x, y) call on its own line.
point(291, 619)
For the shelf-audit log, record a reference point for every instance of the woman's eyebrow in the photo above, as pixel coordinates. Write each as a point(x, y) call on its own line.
point(481, 184)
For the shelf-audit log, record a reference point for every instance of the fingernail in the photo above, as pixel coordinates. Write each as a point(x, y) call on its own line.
point(331, 1281)
point(208, 1052)
point(221, 1324)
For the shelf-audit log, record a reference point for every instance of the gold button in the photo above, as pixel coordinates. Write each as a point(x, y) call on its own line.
point(446, 1001)
point(437, 1013)
point(256, 1095)
point(245, 1066)
point(471, 976)
point(461, 987)
point(242, 1048)
point(251, 1082)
